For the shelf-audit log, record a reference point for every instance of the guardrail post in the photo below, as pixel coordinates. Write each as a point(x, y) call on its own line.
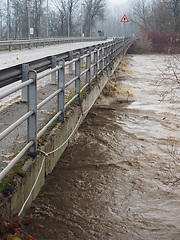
point(32, 106)
point(105, 56)
point(70, 65)
point(95, 62)
point(101, 60)
point(82, 60)
point(88, 64)
point(109, 54)
point(61, 95)
point(25, 70)
point(114, 50)
point(77, 74)
point(53, 65)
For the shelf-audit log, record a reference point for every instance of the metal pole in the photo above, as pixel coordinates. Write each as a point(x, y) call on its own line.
point(105, 56)
point(8, 20)
point(95, 62)
point(70, 65)
point(101, 60)
point(61, 95)
point(82, 4)
point(25, 69)
point(32, 106)
point(47, 19)
point(53, 65)
point(77, 74)
point(28, 7)
point(68, 21)
point(82, 59)
point(88, 64)
point(124, 30)
point(90, 25)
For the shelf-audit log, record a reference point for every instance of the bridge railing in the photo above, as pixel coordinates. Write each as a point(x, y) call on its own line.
point(19, 44)
point(95, 61)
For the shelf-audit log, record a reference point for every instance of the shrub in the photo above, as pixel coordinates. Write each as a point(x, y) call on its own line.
point(161, 42)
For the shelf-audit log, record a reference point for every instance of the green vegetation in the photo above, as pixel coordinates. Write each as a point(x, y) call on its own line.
point(8, 184)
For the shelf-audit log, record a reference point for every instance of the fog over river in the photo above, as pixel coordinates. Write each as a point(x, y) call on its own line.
point(118, 179)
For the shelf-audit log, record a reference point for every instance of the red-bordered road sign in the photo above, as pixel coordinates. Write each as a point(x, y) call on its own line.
point(124, 19)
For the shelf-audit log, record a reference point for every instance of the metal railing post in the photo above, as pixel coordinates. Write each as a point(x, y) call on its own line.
point(101, 60)
point(112, 51)
point(77, 74)
point(61, 95)
point(25, 70)
point(88, 73)
point(82, 60)
point(70, 65)
point(32, 106)
point(95, 62)
point(53, 65)
point(105, 56)
point(109, 54)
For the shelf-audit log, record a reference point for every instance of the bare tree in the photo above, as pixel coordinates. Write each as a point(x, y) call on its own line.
point(159, 15)
point(174, 5)
point(2, 20)
point(93, 10)
point(141, 16)
point(66, 10)
point(37, 14)
point(163, 20)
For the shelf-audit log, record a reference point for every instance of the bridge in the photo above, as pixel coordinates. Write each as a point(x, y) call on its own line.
point(49, 115)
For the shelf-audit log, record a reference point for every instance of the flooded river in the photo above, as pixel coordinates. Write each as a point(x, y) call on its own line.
point(118, 179)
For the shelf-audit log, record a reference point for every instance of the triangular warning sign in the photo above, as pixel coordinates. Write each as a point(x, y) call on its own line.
point(124, 19)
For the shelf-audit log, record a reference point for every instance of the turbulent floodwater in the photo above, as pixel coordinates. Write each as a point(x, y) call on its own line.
point(117, 179)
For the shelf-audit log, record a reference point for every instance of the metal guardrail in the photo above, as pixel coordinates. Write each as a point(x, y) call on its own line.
point(95, 60)
point(10, 44)
point(15, 73)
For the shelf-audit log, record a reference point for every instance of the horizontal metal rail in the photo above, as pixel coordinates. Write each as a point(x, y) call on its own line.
point(15, 125)
point(41, 76)
point(101, 57)
point(42, 131)
point(72, 100)
point(40, 105)
point(20, 86)
point(15, 160)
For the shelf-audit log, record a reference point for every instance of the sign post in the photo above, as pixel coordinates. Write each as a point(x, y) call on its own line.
point(124, 20)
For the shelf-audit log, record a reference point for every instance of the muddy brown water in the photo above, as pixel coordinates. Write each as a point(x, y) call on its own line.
point(117, 178)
